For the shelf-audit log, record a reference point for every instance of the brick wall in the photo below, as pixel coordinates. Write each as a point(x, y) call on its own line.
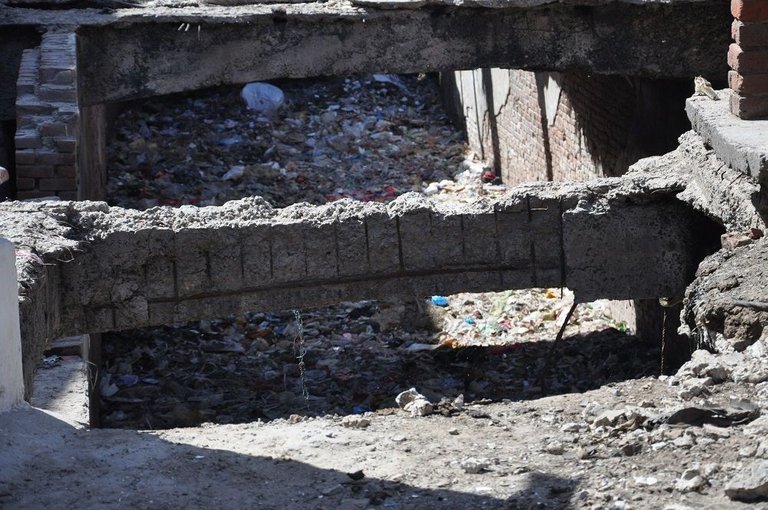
point(748, 59)
point(565, 126)
point(47, 118)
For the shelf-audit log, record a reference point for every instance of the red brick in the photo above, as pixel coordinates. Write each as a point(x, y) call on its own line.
point(749, 34)
point(35, 171)
point(25, 157)
point(747, 62)
point(48, 158)
point(27, 140)
point(57, 93)
point(66, 144)
point(58, 184)
point(749, 85)
point(750, 10)
point(66, 171)
point(750, 107)
point(25, 184)
point(67, 159)
point(54, 129)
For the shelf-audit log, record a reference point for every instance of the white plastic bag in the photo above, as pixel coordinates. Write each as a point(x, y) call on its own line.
point(263, 97)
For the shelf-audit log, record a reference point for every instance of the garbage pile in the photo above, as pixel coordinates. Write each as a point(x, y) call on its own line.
point(369, 138)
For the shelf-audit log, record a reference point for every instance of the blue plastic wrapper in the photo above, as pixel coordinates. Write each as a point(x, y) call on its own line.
point(361, 409)
point(439, 300)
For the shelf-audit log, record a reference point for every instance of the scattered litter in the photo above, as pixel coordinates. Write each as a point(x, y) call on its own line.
point(234, 173)
point(51, 361)
point(263, 97)
point(441, 301)
point(391, 78)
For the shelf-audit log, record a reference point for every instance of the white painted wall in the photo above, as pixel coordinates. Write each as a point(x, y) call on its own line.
point(11, 375)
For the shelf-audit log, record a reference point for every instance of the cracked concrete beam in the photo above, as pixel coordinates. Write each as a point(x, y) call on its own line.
point(610, 238)
point(86, 267)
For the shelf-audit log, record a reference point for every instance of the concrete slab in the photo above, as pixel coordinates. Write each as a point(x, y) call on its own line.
point(11, 377)
point(742, 144)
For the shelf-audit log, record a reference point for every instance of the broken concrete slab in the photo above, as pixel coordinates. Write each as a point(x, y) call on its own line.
point(741, 144)
point(728, 196)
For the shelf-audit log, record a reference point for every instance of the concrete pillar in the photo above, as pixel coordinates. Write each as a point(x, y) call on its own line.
point(11, 375)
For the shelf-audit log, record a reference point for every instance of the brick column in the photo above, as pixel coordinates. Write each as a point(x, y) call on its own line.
point(748, 59)
point(47, 119)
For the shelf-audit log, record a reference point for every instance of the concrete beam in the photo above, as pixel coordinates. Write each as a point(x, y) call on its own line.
point(11, 374)
point(164, 265)
point(143, 53)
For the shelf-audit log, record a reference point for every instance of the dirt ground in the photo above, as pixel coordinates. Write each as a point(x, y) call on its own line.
point(537, 453)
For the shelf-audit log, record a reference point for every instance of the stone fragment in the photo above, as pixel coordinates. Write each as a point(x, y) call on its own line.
point(414, 402)
point(749, 484)
point(571, 427)
point(355, 422)
point(554, 448)
point(609, 418)
point(474, 466)
point(690, 481)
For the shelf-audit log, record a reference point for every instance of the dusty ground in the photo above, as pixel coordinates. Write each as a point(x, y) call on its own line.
point(606, 432)
point(538, 453)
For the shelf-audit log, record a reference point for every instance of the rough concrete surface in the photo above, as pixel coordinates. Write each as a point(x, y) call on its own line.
point(728, 196)
point(142, 52)
point(167, 265)
point(11, 377)
point(87, 268)
point(727, 298)
point(741, 144)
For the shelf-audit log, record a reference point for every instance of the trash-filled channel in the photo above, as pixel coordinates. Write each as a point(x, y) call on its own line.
point(370, 138)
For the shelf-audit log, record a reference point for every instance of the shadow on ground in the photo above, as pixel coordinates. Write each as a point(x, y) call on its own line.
point(46, 463)
point(178, 385)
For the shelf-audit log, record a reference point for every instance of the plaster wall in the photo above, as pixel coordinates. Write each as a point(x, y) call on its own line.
point(11, 374)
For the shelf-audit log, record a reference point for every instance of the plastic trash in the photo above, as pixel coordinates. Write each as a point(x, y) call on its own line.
point(391, 78)
point(126, 381)
point(234, 173)
point(360, 409)
point(263, 97)
point(440, 301)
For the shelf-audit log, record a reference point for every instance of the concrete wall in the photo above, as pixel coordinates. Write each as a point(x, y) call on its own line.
point(11, 376)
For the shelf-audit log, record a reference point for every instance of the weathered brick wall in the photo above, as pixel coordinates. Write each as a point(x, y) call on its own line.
point(47, 118)
point(565, 126)
point(748, 59)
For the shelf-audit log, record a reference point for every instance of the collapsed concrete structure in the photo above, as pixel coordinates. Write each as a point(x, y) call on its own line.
point(86, 268)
